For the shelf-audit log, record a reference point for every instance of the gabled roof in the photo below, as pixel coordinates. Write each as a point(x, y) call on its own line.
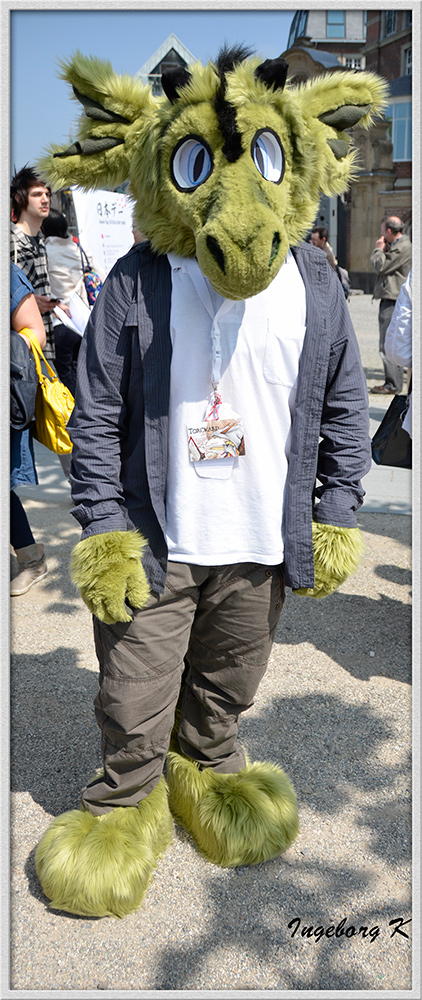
point(172, 42)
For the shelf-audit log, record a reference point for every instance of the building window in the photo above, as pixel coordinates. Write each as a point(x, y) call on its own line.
point(298, 27)
point(400, 130)
point(353, 62)
point(408, 61)
point(389, 22)
point(406, 19)
point(335, 23)
point(154, 80)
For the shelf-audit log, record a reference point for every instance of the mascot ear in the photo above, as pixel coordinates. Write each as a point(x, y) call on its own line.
point(325, 158)
point(173, 79)
point(341, 100)
point(272, 72)
point(114, 107)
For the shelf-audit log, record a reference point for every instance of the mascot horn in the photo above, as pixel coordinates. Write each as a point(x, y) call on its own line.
point(222, 336)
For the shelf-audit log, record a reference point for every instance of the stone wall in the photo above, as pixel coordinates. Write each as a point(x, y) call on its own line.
point(371, 199)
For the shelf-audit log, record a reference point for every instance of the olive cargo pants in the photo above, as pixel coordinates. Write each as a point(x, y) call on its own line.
point(220, 620)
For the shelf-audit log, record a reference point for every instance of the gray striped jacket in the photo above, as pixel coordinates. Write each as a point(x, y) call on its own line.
point(120, 421)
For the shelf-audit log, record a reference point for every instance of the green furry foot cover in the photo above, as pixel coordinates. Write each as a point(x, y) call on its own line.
point(107, 569)
point(235, 819)
point(337, 554)
point(101, 866)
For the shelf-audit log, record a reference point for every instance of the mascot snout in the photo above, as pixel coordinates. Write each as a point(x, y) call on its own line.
point(240, 264)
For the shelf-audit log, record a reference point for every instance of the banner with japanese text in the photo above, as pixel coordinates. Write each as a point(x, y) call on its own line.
point(104, 220)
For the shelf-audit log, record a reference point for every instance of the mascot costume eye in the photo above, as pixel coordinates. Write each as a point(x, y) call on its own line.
point(220, 435)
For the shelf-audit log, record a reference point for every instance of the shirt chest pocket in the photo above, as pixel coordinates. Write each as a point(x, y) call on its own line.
point(281, 356)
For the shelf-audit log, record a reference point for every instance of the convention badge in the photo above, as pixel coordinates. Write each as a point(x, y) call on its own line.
point(219, 436)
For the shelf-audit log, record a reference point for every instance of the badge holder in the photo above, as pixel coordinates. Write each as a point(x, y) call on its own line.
point(219, 438)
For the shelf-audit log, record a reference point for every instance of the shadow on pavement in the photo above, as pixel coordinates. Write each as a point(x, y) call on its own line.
point(320, 744)
point(377, 413)
point(374, 373)
point(332, 750)
point(386, 525)
point(265, 939)
point(383, 628)
point(54, 750)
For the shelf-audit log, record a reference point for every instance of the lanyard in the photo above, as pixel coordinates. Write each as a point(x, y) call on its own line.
point(213, 469)
point(227, 304)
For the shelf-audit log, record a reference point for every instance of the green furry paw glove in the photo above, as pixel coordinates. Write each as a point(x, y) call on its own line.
point(337, 554)
point(108, 571)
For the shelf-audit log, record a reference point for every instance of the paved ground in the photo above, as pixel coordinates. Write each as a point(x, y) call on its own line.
point(334, 710)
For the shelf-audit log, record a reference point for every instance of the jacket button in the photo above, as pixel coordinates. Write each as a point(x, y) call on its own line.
point(268, 572)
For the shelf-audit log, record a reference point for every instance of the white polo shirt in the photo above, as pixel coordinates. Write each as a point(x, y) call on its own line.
point(230, 510)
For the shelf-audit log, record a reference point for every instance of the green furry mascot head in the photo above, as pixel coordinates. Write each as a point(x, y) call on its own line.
point(228, 166)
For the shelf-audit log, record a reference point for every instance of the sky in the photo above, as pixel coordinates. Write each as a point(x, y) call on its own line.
point(42, 110)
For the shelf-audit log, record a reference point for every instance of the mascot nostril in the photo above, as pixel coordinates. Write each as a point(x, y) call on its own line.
point(214, 493)
point(274, 247)
point(216, 251)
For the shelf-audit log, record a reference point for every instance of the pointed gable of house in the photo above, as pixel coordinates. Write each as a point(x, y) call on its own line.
point(172, 52)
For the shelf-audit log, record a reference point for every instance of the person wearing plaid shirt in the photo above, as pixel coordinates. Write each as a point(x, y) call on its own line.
point(30, 198)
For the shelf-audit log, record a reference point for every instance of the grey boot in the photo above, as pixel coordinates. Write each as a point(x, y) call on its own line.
point(32, 569)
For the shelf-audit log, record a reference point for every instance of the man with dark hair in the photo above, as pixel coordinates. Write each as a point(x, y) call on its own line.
point(30, 204)
point(392, 260)
point(319, 238)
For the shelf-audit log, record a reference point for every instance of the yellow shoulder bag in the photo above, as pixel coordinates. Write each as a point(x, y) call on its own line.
point(53, 403)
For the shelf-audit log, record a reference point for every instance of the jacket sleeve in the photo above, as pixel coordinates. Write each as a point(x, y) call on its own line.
point(344, 452)
point(392, 261)
point(20, 287)
point(97, 424)
point(378, 260)
point(398, 339)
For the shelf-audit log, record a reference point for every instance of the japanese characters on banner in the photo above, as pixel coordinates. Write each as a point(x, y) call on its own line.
point(104, 220)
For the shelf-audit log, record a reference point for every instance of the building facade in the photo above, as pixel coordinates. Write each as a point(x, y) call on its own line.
point(339, 34)
point(322, 41)
point(388, 51)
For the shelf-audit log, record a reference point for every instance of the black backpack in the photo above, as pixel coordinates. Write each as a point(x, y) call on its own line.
point(23, 383)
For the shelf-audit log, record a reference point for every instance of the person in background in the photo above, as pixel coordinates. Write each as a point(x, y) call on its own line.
point(319, 238)
point(391, 259)
point(66, 276)
point(32, 567)
point(30, 205)
point(398, 340)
